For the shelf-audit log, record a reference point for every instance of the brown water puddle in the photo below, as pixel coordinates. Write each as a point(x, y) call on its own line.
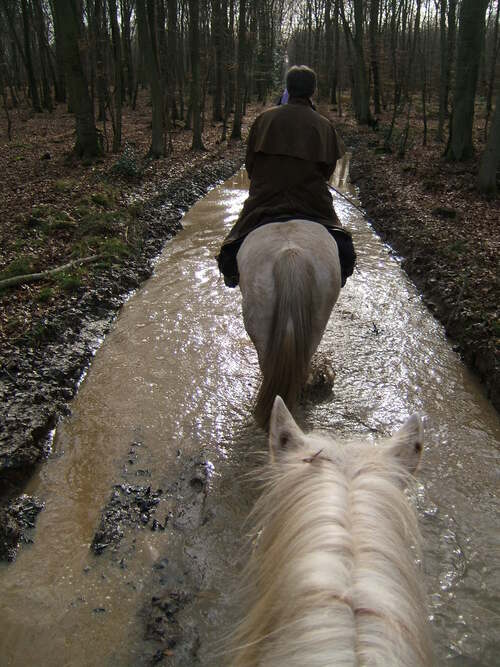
point(171, 389)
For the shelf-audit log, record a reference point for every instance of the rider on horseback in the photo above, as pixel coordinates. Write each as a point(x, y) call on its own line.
point(291, 155)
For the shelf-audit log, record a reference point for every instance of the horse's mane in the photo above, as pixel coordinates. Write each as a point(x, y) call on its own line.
point(332, 580)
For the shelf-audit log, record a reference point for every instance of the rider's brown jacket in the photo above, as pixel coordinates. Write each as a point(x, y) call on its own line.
point(291, 154)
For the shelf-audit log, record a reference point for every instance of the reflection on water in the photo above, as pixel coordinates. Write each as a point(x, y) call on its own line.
point(176, 376)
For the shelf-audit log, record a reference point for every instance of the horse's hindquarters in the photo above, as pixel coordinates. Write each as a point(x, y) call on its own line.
point(289, 280)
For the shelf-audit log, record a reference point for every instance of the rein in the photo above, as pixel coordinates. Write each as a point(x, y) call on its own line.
point(348, 199)
point(315, 457)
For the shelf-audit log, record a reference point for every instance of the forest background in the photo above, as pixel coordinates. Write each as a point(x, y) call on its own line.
point(112, 105)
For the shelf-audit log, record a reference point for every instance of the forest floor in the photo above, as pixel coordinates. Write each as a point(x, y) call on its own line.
point(117, 213)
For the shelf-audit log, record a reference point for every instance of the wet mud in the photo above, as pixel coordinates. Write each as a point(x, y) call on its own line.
point(37, 383)
point(170, 632)
point(17, 519)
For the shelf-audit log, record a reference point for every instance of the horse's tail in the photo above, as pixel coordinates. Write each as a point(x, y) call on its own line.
point(289, 350)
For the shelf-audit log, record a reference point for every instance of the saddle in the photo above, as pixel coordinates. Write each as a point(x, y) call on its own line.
point(228, 265)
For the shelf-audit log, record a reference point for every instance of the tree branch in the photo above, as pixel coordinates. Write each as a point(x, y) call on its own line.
point(34, 277)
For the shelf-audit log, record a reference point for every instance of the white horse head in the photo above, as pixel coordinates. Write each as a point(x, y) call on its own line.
point(289, 279)
point(332, 579)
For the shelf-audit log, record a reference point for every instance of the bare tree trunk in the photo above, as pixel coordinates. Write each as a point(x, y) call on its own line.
point(309, 33)
point(172, 58)
point(3, 69)
point(413, 41)
point(117, 93)
point(493, 63)
point(60, 88)
point(361, 93)
point(254, 7)
point(194, 49)
point(148, 43)
point(180, 69)
point(264, 74)
point(87, 143)
point(451, 48)
point(44, 54)
point(240, 74)
point(374, 12)
point(161, 20)
point(219, 59)
point(100, 47)
point(230, 62)
point(395, 74)
point(35, 99)
point(490, 161)
point(326, 78)
point(443, 71)
point(470, 44)
point(335, 69)
point(227, 78)
point(125, 13)
point(7, 76)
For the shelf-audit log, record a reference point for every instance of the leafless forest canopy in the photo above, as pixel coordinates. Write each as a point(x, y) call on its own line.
point(423, 66)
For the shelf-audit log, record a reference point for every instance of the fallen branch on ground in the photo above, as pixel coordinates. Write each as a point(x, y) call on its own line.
point(34, 277)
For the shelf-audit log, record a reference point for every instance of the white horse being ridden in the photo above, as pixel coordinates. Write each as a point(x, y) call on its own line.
point(290, 279)
point(332, 580)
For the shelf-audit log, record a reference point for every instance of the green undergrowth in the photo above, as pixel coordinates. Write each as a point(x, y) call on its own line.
point(21, 266)
point(129, 165)
point(82, 224)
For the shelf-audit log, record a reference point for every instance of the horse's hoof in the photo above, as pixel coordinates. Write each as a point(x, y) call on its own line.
point(320, 381)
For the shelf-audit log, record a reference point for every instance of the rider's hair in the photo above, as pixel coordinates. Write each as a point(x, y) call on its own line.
point(301, 81)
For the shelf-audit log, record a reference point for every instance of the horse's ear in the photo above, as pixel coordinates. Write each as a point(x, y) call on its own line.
point(284, 434)
point(407, 443)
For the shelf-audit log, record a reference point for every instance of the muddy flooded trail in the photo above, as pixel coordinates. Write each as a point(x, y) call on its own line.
point(140, 543)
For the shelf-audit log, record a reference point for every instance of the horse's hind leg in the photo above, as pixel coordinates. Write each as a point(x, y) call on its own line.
point(321, 378)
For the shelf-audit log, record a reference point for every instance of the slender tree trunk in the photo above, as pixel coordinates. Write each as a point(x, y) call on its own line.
point(3, 70)
point(361, 93)
point(60, 88)
point(68, 15)
point(161, 20)
point(470, 44)
point(231, 64)
point(125, 12)
point(451, 47)
point(490, 161)
point(374, 12)
point(227, 78)
point(326, 79)
point(194, 48)
point(218, 56)
point(264, 73)
point(491, 79)
point(254, 7)
point(99, 36)
point(335, 69)
point(44, 55)
point(148, 45)
point(240, 74)
point(413, 42)
point(172, 58)
point(443, 70)
point(117, 93)
point(180, 68)
point(28, 57)
point(395, 74)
